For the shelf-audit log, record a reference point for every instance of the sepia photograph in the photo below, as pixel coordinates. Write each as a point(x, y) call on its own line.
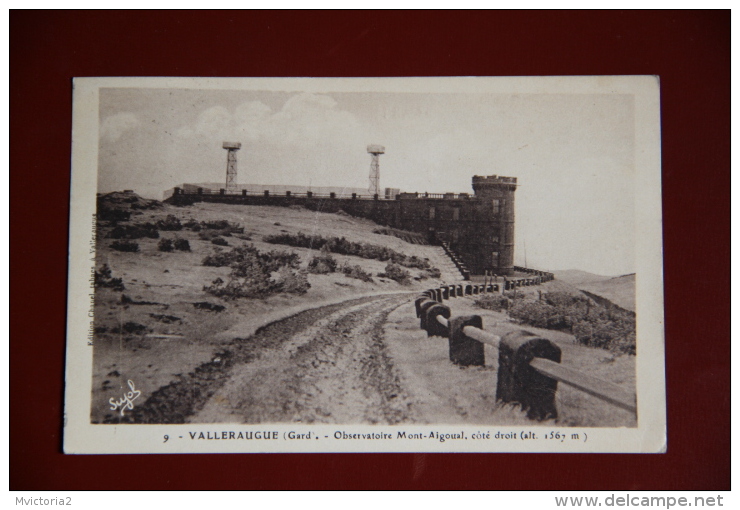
point(431, 264)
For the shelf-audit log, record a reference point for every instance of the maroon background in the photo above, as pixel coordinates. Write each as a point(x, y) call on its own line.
point(690, 50)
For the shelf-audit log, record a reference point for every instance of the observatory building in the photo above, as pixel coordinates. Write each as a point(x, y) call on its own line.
point(479, 227)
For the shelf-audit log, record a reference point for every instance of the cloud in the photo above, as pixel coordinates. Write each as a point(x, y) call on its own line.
point(113, 127)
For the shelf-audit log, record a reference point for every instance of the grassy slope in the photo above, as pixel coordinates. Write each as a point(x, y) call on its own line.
point(174, 281)
point(620, 290)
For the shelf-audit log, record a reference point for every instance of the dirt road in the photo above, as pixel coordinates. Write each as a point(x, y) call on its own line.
point(326, 365)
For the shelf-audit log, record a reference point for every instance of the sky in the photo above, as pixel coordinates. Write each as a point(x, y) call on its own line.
point(573, 154)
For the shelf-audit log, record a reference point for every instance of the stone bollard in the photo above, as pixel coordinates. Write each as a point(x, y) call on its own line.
point(423, 307)
point(453, 291)
point(464, 350)
point(417, 304)
point(518, 382)
point(445, 293)
point(244, 193)
point(460, 290)
point(476, 289)
point(468, 290)
point(434, 328)
point(438, 294)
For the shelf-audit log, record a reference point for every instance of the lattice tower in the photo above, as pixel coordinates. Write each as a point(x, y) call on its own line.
point(375, 151)
point(231, 148)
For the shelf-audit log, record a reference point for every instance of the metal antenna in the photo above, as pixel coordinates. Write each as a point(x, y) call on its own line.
point(375, 151)
point(231, 147)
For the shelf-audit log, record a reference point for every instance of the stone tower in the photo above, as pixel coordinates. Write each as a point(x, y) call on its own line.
point(497, 195)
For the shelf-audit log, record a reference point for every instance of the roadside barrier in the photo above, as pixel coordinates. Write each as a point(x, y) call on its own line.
point(529, 366)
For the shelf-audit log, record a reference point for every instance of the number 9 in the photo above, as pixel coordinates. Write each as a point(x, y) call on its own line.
point(166, 438)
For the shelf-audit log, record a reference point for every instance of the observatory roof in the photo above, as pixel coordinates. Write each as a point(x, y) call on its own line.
point(232, 145)
point(376, 149)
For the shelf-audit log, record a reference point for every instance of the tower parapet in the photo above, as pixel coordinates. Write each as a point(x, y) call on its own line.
point(498, 194)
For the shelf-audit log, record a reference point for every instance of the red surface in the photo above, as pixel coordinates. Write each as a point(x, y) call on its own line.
point(689, 50)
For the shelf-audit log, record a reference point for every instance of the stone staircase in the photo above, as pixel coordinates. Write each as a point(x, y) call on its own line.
point(439, 259)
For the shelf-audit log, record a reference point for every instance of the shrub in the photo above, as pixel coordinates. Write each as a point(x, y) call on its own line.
point(276, 259)
point(433, 272)
point(293, 282)
point(356, 272)
point(616, 333)
point(104, 278)
point(136, 231)
point(251, 271)
point(193, 225)
point(182, 244)
point(254, 282)
point(323, 263)
point(495, 302)
point(534, 313)
point(342, 246)
point(219, 241)
point(165, 245)
point(591, 324)
point(171, 223)
point(109, 214)
point(125, 246)
point(272, 260)
point(223, 226)
point(397, 273)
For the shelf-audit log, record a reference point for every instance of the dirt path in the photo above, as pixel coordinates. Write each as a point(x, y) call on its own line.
point(323, 365)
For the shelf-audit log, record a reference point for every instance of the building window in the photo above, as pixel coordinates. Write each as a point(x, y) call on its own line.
point(455, 235)
point(496, 206)
point(456, 214)
point(494, 239)
point(494, 259)
point(432, 213)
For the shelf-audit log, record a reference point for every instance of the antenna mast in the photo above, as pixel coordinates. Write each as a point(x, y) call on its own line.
point(231, 148)
point(375, 151)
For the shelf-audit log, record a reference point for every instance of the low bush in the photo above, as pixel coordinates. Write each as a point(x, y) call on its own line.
point(223, 226)
point(219, 241)
point(271, 260)
point(342, 246)
point(193, 225)
point(125, 246)
point(171, 223)
point(110, 214)
point(397, 273)
point(495, 302)
point(357, 272)
point(165, 245)
point(433, 272)
point(592, 324)
point(323, 263)
point(292, 282)
point(136, 231)
point(535, 313)
point(251, 273)
point(182, 244)
point(104, 278)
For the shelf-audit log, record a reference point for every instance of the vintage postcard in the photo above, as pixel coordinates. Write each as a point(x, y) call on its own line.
point(365, 265)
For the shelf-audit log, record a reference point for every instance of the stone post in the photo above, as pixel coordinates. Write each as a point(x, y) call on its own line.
point(518, 382)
